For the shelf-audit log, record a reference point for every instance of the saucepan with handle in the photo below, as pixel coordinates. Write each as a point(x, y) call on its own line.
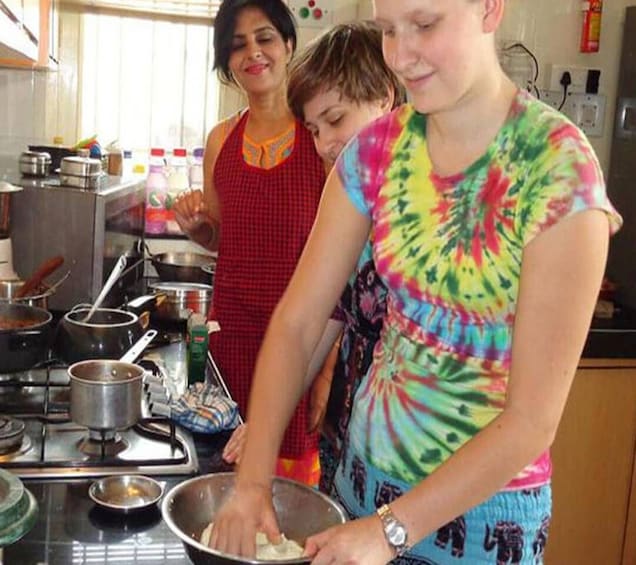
point(106, 393)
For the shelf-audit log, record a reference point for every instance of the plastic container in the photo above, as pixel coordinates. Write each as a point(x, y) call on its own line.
point(197, 344)
point(156, 192)
point(196, 169)
point(115, 159)
point(177, 182)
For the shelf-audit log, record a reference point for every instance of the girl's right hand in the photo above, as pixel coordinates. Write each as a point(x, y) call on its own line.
point(191, 211)
point(248, 510)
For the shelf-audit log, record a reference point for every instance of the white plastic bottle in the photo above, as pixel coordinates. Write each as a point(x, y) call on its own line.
point(156, 192)
point(177, 182)
point(196, 169)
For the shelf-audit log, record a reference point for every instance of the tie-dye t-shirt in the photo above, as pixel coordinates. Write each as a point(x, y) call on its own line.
point(449, 251)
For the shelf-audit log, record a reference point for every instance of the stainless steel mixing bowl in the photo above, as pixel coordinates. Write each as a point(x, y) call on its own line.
point(190, 506)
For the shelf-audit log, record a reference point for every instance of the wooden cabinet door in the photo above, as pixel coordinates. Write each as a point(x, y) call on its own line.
point(593, 457)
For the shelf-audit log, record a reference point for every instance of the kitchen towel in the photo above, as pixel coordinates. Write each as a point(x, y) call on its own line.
point(204, 408)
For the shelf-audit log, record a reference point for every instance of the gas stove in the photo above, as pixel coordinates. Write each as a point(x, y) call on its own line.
point(39, 440)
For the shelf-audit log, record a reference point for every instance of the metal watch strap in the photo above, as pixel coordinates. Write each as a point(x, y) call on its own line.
point(394, 531)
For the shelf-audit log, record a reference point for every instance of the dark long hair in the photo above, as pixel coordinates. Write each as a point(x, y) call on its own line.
point(225, 23)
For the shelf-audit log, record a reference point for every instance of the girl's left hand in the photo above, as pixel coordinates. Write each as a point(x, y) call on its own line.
point(359, 542)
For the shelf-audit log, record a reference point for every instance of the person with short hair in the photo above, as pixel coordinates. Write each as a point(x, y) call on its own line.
point(337, 84)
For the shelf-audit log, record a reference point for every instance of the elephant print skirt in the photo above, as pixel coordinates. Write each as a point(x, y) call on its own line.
point(508, 529)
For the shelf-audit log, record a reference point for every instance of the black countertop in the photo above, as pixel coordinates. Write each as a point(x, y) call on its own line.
point(71, 529)
point(613, 337)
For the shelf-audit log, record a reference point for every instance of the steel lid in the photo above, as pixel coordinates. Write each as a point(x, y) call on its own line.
point(32, 157)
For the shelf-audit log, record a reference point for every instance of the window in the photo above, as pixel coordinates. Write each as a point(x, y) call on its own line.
point(146, 81)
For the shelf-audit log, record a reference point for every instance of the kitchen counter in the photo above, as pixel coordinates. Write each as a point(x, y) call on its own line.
point(612, 337)
point(71, 529)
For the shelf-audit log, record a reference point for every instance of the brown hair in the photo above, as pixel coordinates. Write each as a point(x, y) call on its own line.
point(347, 57)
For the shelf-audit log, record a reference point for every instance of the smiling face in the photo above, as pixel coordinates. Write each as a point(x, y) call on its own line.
point(259, 55)
point(333, 120)
point(438, 48)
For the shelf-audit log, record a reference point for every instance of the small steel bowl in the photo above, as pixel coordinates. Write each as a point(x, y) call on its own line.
point(126, 493)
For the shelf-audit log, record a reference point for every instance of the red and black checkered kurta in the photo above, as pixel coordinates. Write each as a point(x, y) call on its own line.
point(266, 216)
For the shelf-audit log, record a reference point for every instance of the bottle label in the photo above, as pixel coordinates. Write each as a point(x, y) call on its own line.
point(156, 199)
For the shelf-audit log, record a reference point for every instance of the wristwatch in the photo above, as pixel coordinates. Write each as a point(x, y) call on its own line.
point(394, 531)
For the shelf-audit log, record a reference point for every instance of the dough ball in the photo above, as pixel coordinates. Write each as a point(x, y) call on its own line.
point(266, 551)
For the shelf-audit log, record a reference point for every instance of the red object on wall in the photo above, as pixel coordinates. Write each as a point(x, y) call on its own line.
point(591, 32)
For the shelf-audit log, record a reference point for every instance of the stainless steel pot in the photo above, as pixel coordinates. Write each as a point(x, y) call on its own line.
point(80, 166)
point(105, 394)
point(35, 163)
point(76, 181)
point(182, 300)
point(108, 334)
point(8, 290)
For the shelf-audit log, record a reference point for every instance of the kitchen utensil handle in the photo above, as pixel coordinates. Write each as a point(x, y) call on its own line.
point(221, 382)
point(140, 345)
point(118, 269)
point(36, 278)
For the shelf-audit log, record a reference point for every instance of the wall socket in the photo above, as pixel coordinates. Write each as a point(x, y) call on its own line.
point(577, 74)
point(586, 110)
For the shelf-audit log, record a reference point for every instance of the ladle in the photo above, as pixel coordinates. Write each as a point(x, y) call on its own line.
point(118, 269)
point(138, 347)
point(43, 271)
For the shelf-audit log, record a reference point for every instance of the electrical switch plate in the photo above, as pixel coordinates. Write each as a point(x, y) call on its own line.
point(587, 111)
point(578, 76)
point(322, 13)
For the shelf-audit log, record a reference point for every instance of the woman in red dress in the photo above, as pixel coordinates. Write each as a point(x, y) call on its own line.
point(262, 184)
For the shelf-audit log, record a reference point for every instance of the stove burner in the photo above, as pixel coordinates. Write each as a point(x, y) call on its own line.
point(103, 435)
point(5, 425)
point(11, 433)
point(10, 454)
point(102, 444)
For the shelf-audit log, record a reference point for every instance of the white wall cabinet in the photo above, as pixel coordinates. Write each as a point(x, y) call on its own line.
point(29, 42)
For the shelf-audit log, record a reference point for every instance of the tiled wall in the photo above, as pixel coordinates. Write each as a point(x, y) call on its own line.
point(35, 106)
point(551, 29)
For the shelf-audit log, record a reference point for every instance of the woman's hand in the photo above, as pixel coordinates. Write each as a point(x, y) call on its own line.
point(319, 393)
point(248, 510)
point(233, 449)
point(192, 212)
point(359, 542)
point(318, 397)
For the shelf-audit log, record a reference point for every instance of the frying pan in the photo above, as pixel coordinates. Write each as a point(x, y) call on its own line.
point(177, 266)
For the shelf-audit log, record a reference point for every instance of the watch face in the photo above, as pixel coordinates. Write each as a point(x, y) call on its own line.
point(396, 534)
